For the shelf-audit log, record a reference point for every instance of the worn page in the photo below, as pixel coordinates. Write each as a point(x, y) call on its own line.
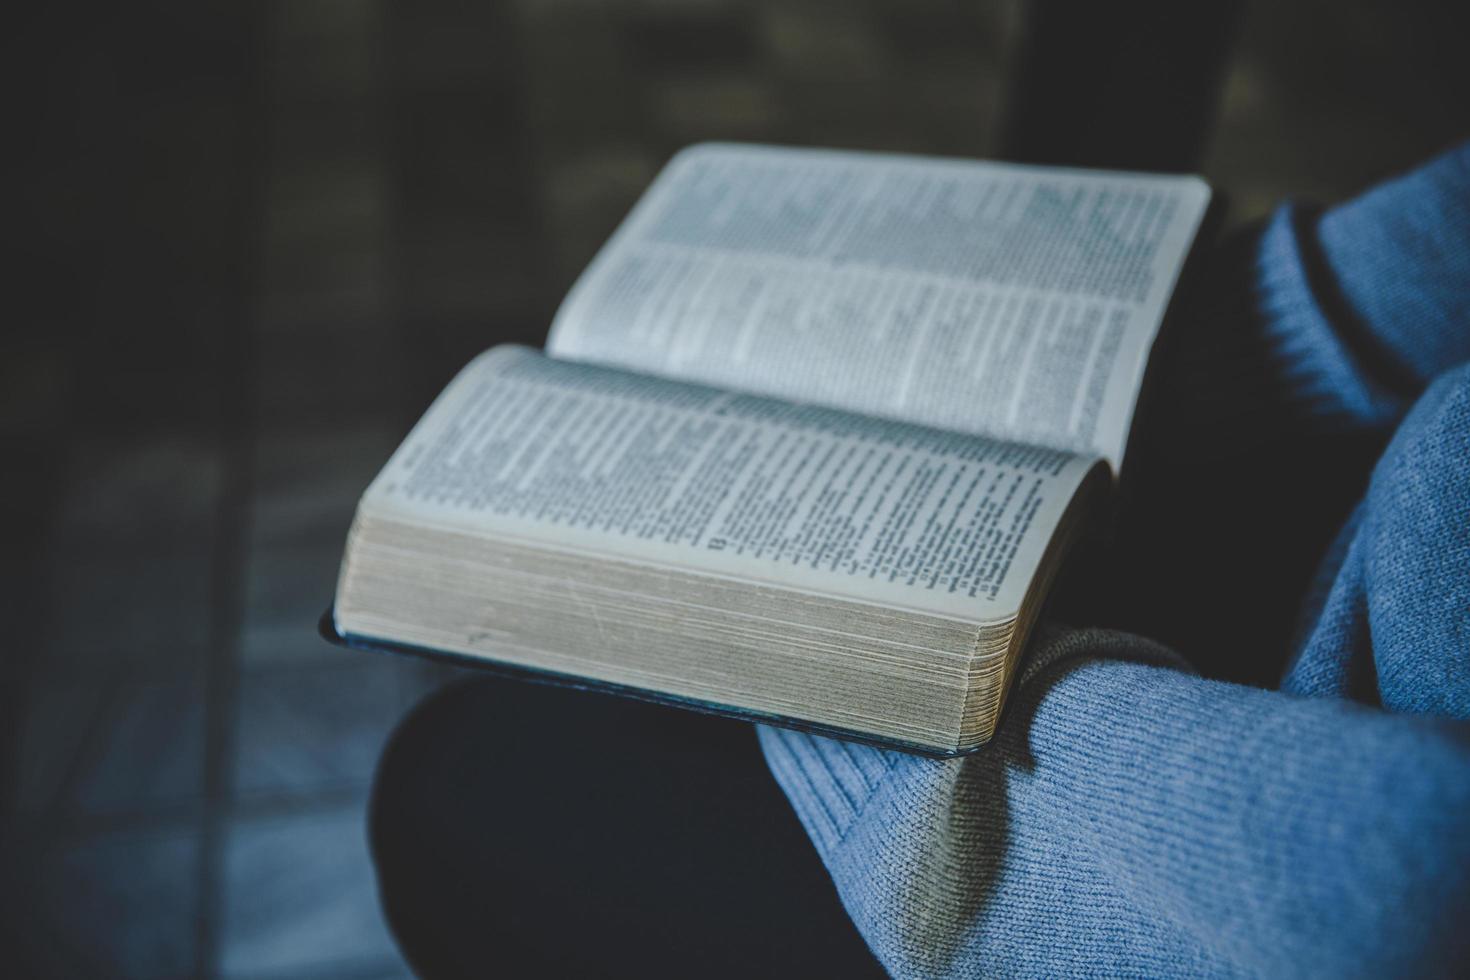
point(595, 460)
point(1011, 301)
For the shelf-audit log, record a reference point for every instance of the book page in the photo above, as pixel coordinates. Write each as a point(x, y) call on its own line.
point(602, 461)
point(1011, 301)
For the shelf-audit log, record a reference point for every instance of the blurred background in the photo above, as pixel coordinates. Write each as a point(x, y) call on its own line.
point(252, 240)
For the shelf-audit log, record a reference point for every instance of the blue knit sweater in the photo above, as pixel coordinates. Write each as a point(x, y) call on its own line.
point(1133, 817)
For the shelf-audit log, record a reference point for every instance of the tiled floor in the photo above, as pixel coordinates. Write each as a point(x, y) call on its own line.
point(265, 235)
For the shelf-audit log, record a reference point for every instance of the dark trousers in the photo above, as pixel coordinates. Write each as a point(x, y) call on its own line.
point(525, 830)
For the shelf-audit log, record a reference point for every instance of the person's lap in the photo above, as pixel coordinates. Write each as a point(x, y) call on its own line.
point(529, 830)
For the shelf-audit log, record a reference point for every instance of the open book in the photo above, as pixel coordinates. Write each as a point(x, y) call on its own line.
point(808, 442)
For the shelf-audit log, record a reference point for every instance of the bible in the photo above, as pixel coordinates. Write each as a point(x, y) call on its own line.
point(808, 442)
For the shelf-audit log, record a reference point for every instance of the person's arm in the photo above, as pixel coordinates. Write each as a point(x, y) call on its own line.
point(1137, 819)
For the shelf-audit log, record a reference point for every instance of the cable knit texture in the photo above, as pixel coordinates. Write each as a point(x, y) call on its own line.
point(1134, 818)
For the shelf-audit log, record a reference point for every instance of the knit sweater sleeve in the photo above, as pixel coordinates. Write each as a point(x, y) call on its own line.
point(1135, 819)
point(1324, 321)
